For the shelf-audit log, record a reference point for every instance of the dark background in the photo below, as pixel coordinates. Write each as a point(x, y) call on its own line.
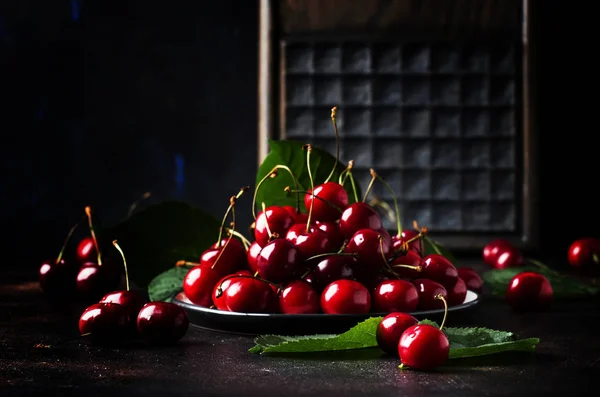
point(101, 101)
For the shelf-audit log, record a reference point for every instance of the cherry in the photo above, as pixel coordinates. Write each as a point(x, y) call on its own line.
point(299, 217)
point(359, 216)
point(131, 301)
point(218, 297)
point(94, 280)
point(271, 223)
point(493, 249)
point(294, 231)
point(508, 257)
point(345, 297)
point(458, 293)
point(333, 200)
point(395, 296)
point(105, 323)
point(406, 235)
point(162, 322)
point(371, 247)
point(473, 281)
point(225, 257)
point(334, 236)
point(278, 261)
point(369, 279)
point(332, 268)
point(437, 268)
point(312, 243)
point(401, 264)
point(428, 291)
point(584, 254)
point(252, 256)
point(299, 297)
point(248, 295)
point(86, 250)
point(390, 330)
point(529, 291)
point(198, 285)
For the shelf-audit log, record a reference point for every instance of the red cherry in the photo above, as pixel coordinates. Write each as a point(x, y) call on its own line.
point(274, 218)
point(370, 280)
point(57, 280)
point(395, 296)
point(493, 249)
point(458, 293)
point(294, 231)
point(423, 347)
point(529, 291)
point(249, 295)
point(359, 216)
point(438, 268)
point(225, 258)
point(93, 281)
point(370, 249)
point(198, 285)
point(299, 217)
point(252, 255)
point(278, 261)
point(509, 257)
point(411, 258)
point(106, 323)
point(332, 268)
point(473, 281)
point(86, 251)
point(428, 290)
point(406, 235)
point(333, 195)
point(584, 254)
point(299, 297)
point(162, 322)
point(334, 236)
point(131, 301)
point(313, 243)
point(346, 297)
point(390, 330)
point(218, 297)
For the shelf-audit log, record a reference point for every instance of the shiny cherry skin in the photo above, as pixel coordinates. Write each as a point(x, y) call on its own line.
point(370, 280)
point(493, 249)
point(299, 297)
point(199, 283)
point(411, 258)
point(471, 278)
point(458, 293)
point(225, 258)
point(132, 302)
point(315, 242)
point(299, 217)
point(94, 281)
point(359, 216)
point(423, 347)
point(294, 231)
point(391, 328)
point(428, 290)
point(249, 295)
point(252, 255)
point(334, 235)
point(218, 296)
point(162, 323)
point(57, 280)
point(509, 257)
point(370, 251)
point(278, 261)
point(279, 222)
point(437, 268)
point(345, 297)
point(106, 323)
point(86, 250)
point(584, 254)
point(395, 296)
point(333, 195)
point(529, 291)
point(406, 235)
point(332, 268)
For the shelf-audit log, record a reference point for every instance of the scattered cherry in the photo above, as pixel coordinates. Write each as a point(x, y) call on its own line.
point(395, 296)
point(345, 297)
point(359, 216)
point(199, 284)
point(390, 330)
point(509, 257)
point(458, 293)
point(162, 322)
point(371, 247)
point(94, 280)
point(275, 220)
point(105, 323)
point(493, 249)
point(584, 254)
point(529, 291)
point(471, 278)
point(299, 297)
point(437, 268)
point(278, 261)
point(428, 291)
point(332, 268)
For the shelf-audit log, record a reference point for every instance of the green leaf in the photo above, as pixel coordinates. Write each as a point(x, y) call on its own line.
point(164, 286)
point(155, 238)
point(563, 286)
point(525, 345)
point(433, 247)
point(290, 154)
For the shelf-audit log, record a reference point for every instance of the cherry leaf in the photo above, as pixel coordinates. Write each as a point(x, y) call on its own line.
point(167, 284)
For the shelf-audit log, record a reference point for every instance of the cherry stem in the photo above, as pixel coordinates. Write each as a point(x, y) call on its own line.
point(232, 201)
point(376, 202)
point(337, 143)
point(441, 297)
point(332, 254)
point(539, 264)
point(415, 268)
point(306, 273)
point(308, 149)
point(239, 235)
point(596, 258)
point(39, 346)
point(373, 177)
point(185, 263)
point(273, 174)
point(124, 263)
point(219, 291)
point(347, 173)
point(264, 210)
point(422, 232)
point(288, 190)
point(394, 197)
point(88, 212)
point(230, 237)
point(67, 239)
point(137, 202)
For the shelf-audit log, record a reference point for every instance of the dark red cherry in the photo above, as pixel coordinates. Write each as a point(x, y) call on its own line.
point(278, 261)
point(438, 268)
point(279, 221)
point(162, 322)
point(299, 297)
point(333, 195)
point(299, 217)
point(94, 281)
point(252, 256)
point(370, 249)
point(428, 290)
point(225, 258)
point(345, 297)
point(423, 347)
point(332, 268)
point(86, 251)
point(407, 235)
point(411, 258)
point(584, 255)
point(509, 257)
point(57, 280)
point(106, 323)
point(369, 279)
point(294, 231)
point(493, 249)
point(473, 281)
point(395, 296)
point(218, 296)
point(313, 243)
point(359, 216)
point(529, 291)
point(334, 236)
point(249, 295)
point(390, 330)
point(131, 301)
point(458, 293)
point(199, 283)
